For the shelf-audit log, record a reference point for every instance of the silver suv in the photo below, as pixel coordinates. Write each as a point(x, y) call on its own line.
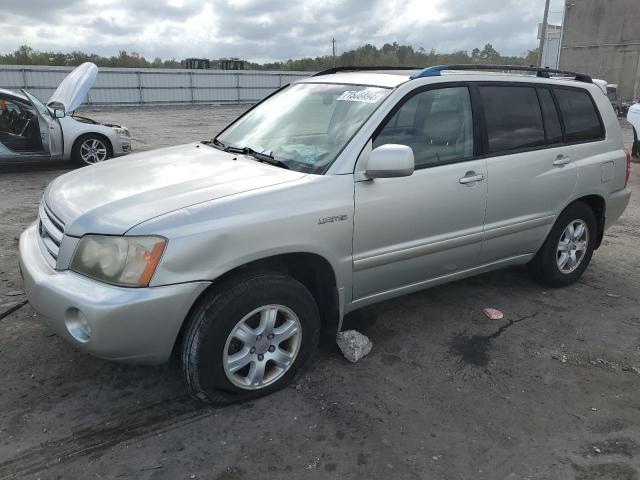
point(338, 191)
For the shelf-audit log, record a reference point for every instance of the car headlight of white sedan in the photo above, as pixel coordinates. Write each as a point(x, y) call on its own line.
point(122, 261)
point(122, 131)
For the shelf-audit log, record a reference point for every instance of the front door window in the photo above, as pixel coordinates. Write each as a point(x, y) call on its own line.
point(436, 124)
point(19, 129)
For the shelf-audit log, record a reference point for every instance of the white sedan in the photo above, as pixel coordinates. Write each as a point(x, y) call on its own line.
point(31, 129)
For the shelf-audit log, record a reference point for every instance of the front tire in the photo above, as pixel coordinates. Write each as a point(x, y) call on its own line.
point(90, 149)
point(249, 337)
point(568, 249)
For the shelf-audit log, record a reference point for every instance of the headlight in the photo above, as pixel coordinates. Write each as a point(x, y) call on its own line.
point(122, 131)
point(123, 261)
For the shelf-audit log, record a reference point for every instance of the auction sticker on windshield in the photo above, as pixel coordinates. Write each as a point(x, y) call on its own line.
point(366, 96)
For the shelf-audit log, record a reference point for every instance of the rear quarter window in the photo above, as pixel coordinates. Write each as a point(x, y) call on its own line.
point(581, 120)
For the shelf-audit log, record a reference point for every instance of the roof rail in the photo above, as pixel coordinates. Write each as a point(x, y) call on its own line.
point(329, 71)
point(540, 71)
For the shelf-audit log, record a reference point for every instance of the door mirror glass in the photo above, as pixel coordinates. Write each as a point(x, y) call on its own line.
point(389, 160)
point(58, 109)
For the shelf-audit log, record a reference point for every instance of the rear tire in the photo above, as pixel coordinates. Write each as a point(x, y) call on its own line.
point(568, 249)
point(229, 329)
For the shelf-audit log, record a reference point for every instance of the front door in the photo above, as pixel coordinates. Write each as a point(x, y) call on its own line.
point(50, 130)
point(19, 129)
point(412, 229)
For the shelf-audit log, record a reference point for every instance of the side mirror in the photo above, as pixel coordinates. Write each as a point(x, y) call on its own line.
point(389, 161)
point(58, 109)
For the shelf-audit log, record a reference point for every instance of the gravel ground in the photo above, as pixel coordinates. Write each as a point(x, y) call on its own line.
point(550, 392)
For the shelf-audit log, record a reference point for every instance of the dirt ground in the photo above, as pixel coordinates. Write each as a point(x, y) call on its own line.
point(550, 392)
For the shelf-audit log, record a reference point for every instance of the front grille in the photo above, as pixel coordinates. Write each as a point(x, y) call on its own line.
point(51, 230)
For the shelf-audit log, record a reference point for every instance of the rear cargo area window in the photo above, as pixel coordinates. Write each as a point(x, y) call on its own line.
point(581, 121)
point(513, 118)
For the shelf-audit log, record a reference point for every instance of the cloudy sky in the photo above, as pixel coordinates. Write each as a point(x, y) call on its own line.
point(263, 30)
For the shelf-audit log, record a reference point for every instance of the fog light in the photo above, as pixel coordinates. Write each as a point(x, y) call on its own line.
point(77, 325)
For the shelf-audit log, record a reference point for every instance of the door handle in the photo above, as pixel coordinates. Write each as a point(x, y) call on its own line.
point(561, 161)
point(471, 177)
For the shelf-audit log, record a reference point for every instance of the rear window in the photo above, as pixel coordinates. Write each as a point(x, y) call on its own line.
point(581, 120)
point(513, 118)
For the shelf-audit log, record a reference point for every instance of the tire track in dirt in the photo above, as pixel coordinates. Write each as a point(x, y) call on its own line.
point(140, 423)
point(12, 309)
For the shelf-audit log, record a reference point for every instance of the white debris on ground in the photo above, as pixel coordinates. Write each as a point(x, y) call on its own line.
point(353, 345)
point(493, 314)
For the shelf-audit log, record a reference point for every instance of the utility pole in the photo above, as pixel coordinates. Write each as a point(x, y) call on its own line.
point(333, 45)
point(543, 32)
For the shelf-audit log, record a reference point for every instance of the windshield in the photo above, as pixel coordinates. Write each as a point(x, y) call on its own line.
point(304, 126)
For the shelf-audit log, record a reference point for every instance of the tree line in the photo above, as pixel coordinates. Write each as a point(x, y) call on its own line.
point(390, 54)
point(395, 55)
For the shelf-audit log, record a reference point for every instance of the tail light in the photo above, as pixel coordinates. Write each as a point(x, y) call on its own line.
point(626, 178)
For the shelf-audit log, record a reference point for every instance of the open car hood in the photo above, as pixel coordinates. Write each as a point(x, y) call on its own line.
point(73, 89)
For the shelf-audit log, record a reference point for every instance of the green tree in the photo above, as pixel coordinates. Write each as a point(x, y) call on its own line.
point(390, 54)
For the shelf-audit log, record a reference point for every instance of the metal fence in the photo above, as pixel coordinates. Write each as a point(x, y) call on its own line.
point(141, 86)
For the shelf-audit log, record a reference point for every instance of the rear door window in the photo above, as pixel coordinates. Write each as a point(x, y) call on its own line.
point(552, 126)
point(513, 117)
point(581, 120)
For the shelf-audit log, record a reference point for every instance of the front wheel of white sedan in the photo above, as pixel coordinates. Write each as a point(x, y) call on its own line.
point(249, 337)
point(90, 149)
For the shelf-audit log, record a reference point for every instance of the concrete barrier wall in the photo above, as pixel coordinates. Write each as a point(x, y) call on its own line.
point(141, 86)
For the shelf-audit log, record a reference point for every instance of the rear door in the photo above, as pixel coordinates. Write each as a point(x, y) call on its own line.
point(531, 172)
point(412, 229)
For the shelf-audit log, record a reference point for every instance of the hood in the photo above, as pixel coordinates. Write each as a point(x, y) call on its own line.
point(114, 196)
point(73, 89)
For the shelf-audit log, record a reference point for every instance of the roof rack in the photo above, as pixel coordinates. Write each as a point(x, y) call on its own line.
point(329, 71)
point(542, 72)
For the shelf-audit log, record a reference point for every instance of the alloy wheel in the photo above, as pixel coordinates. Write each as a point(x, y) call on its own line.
point(93, 151)
point(572, 246)
point(262, 347)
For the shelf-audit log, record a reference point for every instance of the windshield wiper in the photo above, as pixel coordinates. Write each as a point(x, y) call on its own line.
point(261, 157)
point(215, 143)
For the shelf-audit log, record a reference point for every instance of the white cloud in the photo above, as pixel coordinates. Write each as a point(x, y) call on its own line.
point(265, 30)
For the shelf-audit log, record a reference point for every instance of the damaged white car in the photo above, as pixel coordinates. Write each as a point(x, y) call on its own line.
point(33, 130)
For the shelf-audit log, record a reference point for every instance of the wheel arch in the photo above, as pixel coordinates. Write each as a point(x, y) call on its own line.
point(312, 270)
point(84, 135)
point(598, 205)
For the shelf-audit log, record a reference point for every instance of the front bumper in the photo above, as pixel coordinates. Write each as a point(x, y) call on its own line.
point(137, 325)
point(121, 145)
